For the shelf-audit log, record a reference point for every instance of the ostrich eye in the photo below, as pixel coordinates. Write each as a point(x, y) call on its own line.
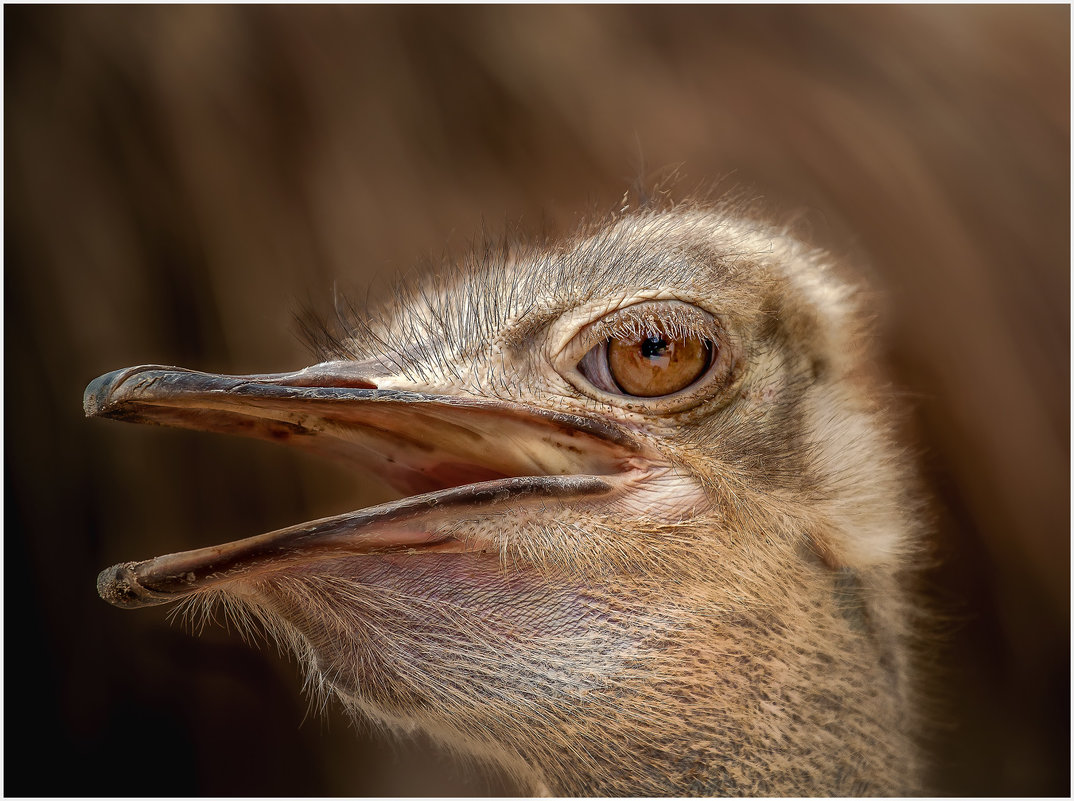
point(649, 366)
point(657, 365)
point(667, 354)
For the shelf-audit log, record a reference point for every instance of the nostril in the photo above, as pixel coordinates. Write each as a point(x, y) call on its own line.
point(346, 381)
point(352, 375)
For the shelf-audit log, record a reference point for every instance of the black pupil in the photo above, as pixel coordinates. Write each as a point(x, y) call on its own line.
point(653, 347)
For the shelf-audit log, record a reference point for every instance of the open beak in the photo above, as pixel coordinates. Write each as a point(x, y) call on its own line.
point(455, 457)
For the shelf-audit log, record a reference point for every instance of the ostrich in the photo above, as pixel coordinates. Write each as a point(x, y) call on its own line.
point(653, 533)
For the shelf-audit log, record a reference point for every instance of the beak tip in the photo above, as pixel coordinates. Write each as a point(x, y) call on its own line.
point(119, 586)
point(98, 394)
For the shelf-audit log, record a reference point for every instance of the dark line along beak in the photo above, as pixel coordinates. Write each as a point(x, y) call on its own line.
point(466, 455)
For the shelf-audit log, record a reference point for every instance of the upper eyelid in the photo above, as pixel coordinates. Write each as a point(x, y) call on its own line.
point(671, 317)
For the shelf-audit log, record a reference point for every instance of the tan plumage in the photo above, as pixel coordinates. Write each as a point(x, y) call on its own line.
point(703, 593)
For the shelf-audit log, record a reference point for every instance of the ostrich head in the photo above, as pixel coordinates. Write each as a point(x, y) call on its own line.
point(652, 530)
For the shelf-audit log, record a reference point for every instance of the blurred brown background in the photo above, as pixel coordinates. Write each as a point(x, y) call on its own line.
point(180, 180)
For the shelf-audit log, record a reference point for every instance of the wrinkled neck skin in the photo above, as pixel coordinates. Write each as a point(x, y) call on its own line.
point(589, 685)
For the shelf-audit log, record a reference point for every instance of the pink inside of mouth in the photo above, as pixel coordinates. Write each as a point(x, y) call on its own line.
point(442, 475)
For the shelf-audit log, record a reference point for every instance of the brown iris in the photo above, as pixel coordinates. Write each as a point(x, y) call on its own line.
point(657, 365)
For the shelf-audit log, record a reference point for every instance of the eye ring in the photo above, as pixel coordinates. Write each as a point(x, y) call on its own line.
point(655, 357)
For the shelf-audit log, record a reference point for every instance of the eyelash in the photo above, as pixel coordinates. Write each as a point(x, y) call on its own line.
point(643, 320)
